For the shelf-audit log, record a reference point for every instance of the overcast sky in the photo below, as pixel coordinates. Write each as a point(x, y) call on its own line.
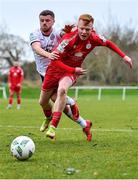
point(21, 16)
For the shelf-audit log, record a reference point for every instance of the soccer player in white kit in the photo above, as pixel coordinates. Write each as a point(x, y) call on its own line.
point(43, 41)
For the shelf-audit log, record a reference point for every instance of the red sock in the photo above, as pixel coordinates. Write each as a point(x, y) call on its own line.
point(75, 111)
point(18, 100)
point(10, 100)
point(55, 119)
point(48, 113)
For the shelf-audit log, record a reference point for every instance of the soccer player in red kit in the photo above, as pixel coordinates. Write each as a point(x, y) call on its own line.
point(63, 73)
point(15, 79)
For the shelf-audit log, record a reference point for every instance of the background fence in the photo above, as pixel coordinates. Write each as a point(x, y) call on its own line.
point(100, 88)
point(27, 93)
point(4, 94)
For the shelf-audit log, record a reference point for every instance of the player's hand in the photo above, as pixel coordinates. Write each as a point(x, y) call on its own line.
point(128, 61)
point(80, 71)
point(68, 28)
point(54, 55)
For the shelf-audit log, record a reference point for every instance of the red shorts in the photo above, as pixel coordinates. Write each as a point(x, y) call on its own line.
point(52, 81)
point(16, 89)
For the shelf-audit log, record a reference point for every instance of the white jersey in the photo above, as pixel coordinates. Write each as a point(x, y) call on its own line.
point(47, 43)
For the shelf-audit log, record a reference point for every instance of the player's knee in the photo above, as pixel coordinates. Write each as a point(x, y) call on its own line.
point(62, 92)
point(41, 102)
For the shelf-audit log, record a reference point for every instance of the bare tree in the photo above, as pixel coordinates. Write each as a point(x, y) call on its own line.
point(12, 48)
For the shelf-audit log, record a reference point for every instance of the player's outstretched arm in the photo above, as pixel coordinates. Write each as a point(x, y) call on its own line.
point(116, 49)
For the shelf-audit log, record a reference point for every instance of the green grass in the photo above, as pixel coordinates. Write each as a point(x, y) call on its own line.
point(111, 154)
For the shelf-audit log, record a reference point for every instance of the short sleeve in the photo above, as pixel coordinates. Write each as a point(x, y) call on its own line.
point(33, 37)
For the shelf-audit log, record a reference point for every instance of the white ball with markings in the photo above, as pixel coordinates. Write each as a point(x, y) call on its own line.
point(22, 147)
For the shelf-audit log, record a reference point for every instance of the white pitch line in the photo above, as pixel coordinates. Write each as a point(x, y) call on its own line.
point(103, 130)
point(71, 129)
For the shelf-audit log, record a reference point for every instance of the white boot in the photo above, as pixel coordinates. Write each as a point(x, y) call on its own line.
point(9, 106)
point(18, 106)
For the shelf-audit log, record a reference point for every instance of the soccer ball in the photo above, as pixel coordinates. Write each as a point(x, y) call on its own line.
point(22, 147)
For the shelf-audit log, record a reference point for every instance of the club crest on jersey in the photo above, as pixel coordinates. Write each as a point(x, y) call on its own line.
point(88, 46)
point(78, 54)
point(62, 46)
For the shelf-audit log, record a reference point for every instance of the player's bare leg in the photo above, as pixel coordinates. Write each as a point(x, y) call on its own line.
point(18, 94)
point(10, 99)
point(73, 105)
point(47, 108)
point(59, 105)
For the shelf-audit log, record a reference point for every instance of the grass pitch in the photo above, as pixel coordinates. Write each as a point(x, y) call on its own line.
point(113, 152)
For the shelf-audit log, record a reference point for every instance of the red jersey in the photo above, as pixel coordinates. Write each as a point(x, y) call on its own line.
point(15, 75)
point(73, 51)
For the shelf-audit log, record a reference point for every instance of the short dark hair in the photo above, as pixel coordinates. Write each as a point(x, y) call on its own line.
point(47, 12)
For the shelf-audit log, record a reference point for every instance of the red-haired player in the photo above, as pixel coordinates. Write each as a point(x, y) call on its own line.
point(63, 73)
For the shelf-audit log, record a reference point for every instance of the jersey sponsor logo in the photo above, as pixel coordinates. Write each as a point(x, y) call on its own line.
point(32, 37)
point(102, 38)
point(62, 46)
point(78, 54)
point(88, 46)
point(49, 47)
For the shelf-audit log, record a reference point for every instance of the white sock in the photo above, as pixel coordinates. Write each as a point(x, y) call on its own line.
point(81, 122)
point(70, 101)
point(69, 112)
point(18, 106)
point(9, 106)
